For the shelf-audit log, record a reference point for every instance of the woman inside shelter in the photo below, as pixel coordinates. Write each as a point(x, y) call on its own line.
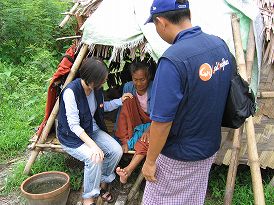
point(82, 131)
point(133, 121)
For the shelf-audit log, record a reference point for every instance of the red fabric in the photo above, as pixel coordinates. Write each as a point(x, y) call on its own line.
point(130, 116)
point(141, 147)
point(63, 69)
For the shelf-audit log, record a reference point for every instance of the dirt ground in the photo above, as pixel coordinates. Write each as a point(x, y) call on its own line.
point(118, 190)
point(12, 198)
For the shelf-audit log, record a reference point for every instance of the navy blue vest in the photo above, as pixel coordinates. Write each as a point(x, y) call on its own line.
point(196, 130)
point(65, 135)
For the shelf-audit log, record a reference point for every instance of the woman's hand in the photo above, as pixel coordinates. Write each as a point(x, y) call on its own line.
point(97, 155)
point(145, 136)
point(126, 96)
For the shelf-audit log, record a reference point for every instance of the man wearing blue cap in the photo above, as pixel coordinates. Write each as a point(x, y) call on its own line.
point(187, 104)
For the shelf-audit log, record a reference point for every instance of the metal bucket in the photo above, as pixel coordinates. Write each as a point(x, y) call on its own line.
point(46, 188)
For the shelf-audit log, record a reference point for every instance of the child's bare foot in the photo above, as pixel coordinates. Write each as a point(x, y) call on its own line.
point(88, 201)
point(123, 175)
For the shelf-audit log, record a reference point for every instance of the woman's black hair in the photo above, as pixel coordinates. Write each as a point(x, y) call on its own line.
point(176, 16)
point(135, 66)
point(93, 70)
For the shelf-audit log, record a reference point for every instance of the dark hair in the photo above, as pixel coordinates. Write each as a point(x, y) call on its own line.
point(175, 16)
point(135, 66)
point(93, 70)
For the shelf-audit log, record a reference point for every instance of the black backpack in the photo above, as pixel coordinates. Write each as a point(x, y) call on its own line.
point(240, 102)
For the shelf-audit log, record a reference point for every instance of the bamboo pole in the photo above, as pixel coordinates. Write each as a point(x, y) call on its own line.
point(54, 112)
point(67, 17)
point(135, 187)
point(233, 166)
point(250, 51)
point(251, 141)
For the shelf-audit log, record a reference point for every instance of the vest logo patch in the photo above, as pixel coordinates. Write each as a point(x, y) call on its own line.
point(205, 72)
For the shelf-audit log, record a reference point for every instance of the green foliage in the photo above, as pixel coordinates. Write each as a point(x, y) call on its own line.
point(15, 179)
point(243, 194)
point(47, 162)
point(27, 24)
point(22, 96)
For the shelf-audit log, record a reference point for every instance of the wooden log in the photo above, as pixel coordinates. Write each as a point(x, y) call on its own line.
point(54, 112)
point(135, 187)
point(233, 166)
point(67, 17)
point(251, 141)
point(250, 51)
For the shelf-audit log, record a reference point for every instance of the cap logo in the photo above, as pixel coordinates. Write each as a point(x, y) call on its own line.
point(154, 8)
point(182, 6)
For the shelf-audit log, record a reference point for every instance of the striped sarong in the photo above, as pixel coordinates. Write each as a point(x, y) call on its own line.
point(178, 182)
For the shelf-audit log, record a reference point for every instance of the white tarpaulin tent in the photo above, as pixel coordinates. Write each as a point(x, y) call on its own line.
point(120, 24)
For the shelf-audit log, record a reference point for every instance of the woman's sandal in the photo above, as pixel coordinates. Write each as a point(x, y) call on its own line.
point(106, 196)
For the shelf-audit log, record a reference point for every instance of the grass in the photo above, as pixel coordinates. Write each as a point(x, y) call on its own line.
point(243, 194)
point(22, 94)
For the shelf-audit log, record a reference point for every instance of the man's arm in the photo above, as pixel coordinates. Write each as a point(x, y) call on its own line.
point(158, 135)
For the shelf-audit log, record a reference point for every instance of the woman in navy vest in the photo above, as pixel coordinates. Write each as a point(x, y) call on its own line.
point(82, 131)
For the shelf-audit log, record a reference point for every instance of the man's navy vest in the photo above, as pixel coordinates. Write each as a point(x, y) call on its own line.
point(65, 135)
point(196, 130)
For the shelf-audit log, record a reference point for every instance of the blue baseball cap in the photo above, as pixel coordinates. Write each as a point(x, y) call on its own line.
point(160, 6)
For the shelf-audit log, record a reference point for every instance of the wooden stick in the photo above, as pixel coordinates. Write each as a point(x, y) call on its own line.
point(131, 152)
point(135, 187)
point(233, 166)
point(250, 51)
point(67, 17)
point(54, 112)
point(67, 13)
point(68, 37)
point(271, 183)
point(53, 150)
point(48, 146)
point(265, 94)
point(251, 141)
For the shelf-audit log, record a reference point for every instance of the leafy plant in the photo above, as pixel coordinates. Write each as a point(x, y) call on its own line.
point(28, 24)
point(22, 93)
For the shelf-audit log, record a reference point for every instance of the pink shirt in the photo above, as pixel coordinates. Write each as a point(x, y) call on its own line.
point(143, 101)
